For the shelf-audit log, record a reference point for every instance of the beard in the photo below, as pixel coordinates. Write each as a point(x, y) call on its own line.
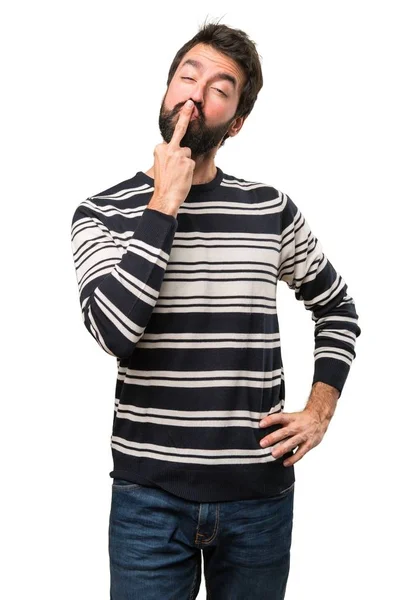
point(198, 136)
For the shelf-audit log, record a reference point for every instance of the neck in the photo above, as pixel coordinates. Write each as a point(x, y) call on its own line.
point(204, 171)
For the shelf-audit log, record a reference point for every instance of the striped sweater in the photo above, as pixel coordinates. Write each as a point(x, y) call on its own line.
point(187, 306)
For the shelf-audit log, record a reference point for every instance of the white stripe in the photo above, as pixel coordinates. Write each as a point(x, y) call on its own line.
point(108, 209)
point(334, 318)
point(246, 187)
point(192, 375)
point(243, 183)
point(224, 210)
point(326, 295)
point(198, 301)
point(211, 336)
point(215, 243)
point(345, 336)
point(156, 260)
point(100, 273)
point(166, 453)
point(96, 333)
point(157, 252)
point(334, 350)
point(79, 225)
point(204, 383)
point(216, 276)
point(125, 332)
point(88, 251)
point(111, 211)
point(331, 355)
point(107, 304)
point(137, 288)
point(217, 309)
point(123, 371)
point(211, 345)
point(117, 196)
point(107, 266)
point(195, 418)
point(206, 272)
point(219, 236)
point(84, 239)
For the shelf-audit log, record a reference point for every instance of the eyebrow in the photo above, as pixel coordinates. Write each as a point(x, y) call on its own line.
point(224, 76)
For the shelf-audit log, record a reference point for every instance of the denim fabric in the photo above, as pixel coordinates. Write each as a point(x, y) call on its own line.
point(156, 541)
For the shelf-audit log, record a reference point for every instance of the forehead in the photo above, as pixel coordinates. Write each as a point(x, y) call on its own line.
point(214, 61)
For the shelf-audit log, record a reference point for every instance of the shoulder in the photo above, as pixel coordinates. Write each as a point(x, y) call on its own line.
point(123, 190)
point(114, 199)
point(256, 187)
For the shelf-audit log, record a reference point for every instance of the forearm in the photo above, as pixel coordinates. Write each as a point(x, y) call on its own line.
point(322, 401)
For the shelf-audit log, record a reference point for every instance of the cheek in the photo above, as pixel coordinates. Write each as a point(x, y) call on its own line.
point(215, 115)
point(169, 103)
point(175, 95)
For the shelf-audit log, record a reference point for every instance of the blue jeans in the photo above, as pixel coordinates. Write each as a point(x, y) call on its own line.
point(156, 540)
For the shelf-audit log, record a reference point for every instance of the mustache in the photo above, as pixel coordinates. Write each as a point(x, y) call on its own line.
point(179, 106)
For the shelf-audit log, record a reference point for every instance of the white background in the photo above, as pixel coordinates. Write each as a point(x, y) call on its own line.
point(82, 86)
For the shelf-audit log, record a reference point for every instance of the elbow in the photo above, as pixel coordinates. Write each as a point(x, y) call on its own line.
point(112, 344)
point(114, 339)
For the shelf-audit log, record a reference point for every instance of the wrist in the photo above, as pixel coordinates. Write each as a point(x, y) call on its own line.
point(163, 205)
point(323, 400)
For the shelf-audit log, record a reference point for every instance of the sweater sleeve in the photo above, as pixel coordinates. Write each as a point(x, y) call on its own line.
point(118, 288)
point(306, 269)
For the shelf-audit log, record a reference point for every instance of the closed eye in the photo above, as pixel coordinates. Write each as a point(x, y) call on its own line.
point(218, 90)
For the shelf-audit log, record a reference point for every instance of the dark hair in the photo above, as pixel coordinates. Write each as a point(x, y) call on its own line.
point(236, 44)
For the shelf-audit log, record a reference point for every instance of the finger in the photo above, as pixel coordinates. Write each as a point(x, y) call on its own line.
point(277, 436)
point(285, 447)
point(274, 419)
point(300, 452)
point(186, 152)
point(182, 123)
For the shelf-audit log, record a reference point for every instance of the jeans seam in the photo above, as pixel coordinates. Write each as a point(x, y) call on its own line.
point(214, 533)
point(128, 486)
point(194, 581)
point(283, 492)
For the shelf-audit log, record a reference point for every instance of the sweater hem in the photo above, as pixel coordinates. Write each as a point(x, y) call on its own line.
point(211, 484)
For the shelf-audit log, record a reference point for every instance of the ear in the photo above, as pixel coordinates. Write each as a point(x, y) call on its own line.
point(236, 126)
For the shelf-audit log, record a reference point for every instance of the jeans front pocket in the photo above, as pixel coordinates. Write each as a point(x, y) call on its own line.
point(124, 485)
point(283, 493)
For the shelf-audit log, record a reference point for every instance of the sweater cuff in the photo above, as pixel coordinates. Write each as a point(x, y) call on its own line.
point(331, 371)
point(156, 228)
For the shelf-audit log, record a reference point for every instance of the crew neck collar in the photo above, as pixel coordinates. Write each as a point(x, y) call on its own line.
point(199, 187)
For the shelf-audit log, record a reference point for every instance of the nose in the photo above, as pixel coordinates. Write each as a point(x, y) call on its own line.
point(195, 112)
point(197, 94)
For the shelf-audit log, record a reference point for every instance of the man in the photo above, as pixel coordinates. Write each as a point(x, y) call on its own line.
point(177, 270)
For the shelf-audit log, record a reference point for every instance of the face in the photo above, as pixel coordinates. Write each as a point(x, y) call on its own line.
point(214, 82)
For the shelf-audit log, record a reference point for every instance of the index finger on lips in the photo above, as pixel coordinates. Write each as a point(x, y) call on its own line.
point(182, 123)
